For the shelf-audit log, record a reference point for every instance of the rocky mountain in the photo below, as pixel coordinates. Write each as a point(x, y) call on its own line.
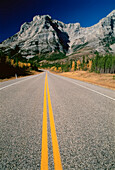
point(44, 35)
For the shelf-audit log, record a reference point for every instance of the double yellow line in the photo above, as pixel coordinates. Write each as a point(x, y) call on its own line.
point(44, 153)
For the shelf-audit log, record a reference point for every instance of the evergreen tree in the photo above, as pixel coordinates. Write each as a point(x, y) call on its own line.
point(113, 65)
point(100, 64)
point(83, 59)
point(2, 57)
point(96, 61)
point(108, 63)
point(93, 65)
point(75, 68)
point(70, 63)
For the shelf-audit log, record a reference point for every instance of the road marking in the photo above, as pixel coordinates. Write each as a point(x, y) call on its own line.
point(44, 153)
point(56, 153)
point(85, 87)
point(19, 82)
point(94, 91)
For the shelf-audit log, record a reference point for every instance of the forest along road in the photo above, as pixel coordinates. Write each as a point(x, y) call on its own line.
point(53, 122)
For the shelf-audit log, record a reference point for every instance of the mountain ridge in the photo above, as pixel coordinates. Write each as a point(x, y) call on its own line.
point(44, 34)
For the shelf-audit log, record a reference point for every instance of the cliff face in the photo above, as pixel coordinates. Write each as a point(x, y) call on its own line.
point(96, 37)
point(44, 35)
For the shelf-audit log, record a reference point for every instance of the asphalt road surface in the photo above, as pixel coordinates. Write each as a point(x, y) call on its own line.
point(52, 122)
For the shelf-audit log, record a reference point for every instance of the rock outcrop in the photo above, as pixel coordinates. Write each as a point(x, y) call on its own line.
point(43, 35)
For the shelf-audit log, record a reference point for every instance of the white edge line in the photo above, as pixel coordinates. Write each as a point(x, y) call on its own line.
point(18, 82)
point(66, 78)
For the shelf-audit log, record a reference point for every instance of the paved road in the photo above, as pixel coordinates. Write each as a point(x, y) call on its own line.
point(84, 118)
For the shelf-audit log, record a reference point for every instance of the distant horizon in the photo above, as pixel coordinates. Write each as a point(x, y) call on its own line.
point(86, 12)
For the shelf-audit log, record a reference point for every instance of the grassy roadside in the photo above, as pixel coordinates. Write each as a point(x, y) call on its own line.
point(104, 80)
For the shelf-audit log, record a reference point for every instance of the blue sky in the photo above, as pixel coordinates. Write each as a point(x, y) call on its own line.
point(13, 13)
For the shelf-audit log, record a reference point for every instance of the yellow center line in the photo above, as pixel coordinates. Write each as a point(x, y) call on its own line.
point(44, 153)
point(56, 153)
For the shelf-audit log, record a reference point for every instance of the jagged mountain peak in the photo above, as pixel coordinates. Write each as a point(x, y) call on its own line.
point(43, 34)
point(38, 17)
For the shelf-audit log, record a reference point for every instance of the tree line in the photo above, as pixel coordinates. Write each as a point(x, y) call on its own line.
point(99, 64)
point(7, 69)
point(103, 64)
